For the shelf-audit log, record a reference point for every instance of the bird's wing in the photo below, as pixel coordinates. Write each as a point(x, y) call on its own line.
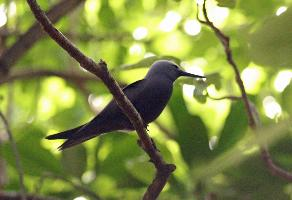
point(133, 90)
point(110, 112)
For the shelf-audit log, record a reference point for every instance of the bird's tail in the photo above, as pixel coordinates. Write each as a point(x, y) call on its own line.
point(77, 139)
point(76, 135)
point(65, 134)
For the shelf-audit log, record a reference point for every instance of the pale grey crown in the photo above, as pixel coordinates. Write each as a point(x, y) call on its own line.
point(164, 69)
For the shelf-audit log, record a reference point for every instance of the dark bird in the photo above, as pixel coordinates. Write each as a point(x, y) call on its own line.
point(149, 96)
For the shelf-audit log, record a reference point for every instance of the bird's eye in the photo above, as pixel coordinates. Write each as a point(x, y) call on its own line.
point(175, 66)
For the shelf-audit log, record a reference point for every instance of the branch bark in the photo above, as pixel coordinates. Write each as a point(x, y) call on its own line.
point(164, 170)
point(28, 39)
point(252, 114)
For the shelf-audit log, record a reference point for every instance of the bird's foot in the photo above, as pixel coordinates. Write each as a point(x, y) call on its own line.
point(146, 127)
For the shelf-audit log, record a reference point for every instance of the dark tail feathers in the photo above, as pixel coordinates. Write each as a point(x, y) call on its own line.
point(74, 136)
point(64, 135)
point(74, 141)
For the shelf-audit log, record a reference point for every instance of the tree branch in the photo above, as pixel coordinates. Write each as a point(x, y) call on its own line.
point(164, 170)
point(251, 111)
point(28, 39)
point(29, 74)
point(77, 186)
point(17, 196)
point(17, 157)
point(230, 97)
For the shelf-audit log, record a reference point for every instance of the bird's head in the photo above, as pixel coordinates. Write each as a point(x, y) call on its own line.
point(168, 70)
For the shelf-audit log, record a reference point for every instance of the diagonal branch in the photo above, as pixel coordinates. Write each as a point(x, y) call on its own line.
point(164, 170)
point(251, 111)
point(28, 39)
point(225, 43)
point(16, 155)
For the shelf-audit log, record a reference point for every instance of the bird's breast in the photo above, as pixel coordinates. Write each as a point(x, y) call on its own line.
point(152, 101)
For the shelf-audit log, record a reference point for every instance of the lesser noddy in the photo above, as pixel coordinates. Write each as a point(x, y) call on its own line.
point(149, 96)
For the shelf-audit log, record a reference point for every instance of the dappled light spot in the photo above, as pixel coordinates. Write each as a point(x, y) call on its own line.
point(136, 49)
point(88, 176)
point(148, 54)
point(281, 10)
point(216, 14)
point(282, 80)
point(55, 96)
point(3, 17)
point(188, 91)
point(192, 27)
point(251, 150)
point(272, 107)
point(213, 142)
point(200, 2)
point(91, 7)
point(67, 97)
point(96, 103)
point(12, 9)
point(252, 78)
point(103, 152)
point(170, 21)
point(80, 198)
point(140, 33)
point(46, 108)
point(193, 67)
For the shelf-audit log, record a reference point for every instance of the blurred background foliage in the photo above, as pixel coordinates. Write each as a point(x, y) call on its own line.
point(207, 139)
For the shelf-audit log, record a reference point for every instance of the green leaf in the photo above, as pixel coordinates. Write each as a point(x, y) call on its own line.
point(147, 62)
point(74, 160)
point(215, 79)
point(271, 43)
point(287, 99)
point(255, 179)
point(68, 118)
point(119, 148)
point(199, 92)
point(35, 159)
point(226, 3)
point(192, 133)
point(137, 169)
point(107, 15)
point(234, 128)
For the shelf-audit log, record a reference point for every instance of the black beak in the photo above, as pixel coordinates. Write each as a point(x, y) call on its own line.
point(183, 73)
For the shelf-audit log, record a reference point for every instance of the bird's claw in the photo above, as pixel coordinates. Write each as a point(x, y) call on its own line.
point(146, 127)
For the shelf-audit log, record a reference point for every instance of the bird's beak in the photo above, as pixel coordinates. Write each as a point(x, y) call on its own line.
point(183, 73)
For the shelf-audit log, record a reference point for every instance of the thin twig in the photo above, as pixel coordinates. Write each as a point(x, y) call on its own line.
point(225, 43)
point(251, 111)
point(76, 185)
point(17, 157)
point(164, 170)
point(230, 97)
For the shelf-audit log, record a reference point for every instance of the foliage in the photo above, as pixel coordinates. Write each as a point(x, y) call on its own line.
point(129, 36)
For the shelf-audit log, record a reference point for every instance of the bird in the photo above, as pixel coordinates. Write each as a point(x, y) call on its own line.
point(149, 96)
